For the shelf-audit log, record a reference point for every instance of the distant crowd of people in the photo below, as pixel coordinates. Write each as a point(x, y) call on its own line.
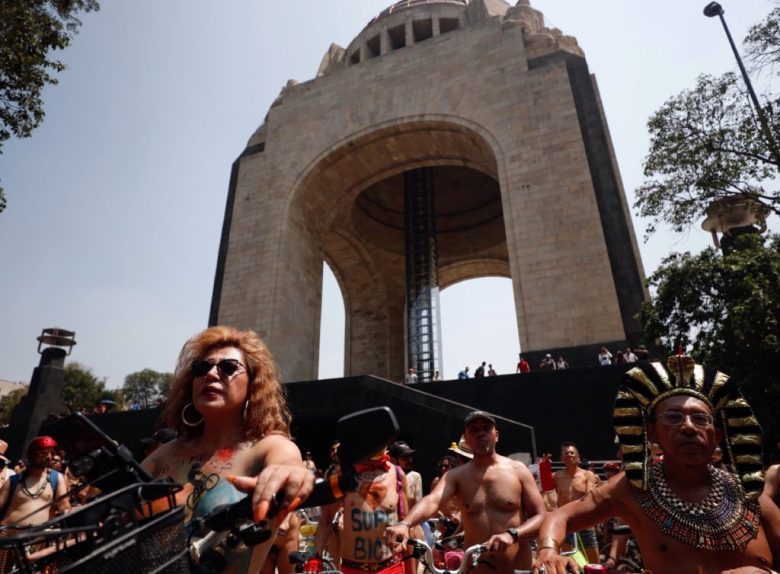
point(547, 363)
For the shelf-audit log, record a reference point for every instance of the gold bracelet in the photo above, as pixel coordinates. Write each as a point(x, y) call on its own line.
point(550, 543)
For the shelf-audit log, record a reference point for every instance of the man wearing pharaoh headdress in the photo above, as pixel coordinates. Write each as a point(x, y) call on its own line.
point(687, 516)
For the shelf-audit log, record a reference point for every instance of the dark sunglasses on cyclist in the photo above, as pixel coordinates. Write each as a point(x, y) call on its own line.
point(676, 418)
point(225, 367)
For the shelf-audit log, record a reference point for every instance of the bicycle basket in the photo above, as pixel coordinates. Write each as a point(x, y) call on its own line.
point(136, 530)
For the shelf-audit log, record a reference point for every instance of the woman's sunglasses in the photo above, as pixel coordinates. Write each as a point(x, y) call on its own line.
point(225, 367)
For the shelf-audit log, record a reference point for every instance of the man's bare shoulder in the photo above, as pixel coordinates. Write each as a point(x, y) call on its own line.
point(770, 517)
point(771, 475)
point(617, 490)
point(517, 466)
point(457, 473)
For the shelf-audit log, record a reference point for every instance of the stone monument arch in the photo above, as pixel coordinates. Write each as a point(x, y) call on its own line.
point(452, 139)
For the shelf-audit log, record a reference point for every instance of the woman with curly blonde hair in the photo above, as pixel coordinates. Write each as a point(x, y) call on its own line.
point(228, 408)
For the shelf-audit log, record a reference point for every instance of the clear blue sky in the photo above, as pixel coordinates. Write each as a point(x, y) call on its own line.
point(116, 202)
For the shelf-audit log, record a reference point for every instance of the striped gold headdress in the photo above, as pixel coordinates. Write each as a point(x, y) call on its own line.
point(644, 386)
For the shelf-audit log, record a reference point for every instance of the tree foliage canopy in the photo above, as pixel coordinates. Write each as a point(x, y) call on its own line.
point(707, 143)
point(762, 44)
point(29, 31)
point(725, 310)
point(8, 404)
point(145, 386)
point(83, 390)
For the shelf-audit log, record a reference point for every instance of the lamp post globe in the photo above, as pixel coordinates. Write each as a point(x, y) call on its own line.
point(713, 9)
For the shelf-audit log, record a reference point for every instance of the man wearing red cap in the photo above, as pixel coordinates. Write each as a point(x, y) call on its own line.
point(26, 500)
point(500, 504)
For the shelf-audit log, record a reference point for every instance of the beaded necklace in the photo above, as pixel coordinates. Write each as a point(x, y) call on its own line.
point(724, 520)
point(37, 494)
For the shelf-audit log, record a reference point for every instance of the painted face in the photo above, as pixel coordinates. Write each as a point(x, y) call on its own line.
point(217, 390)
point(683, 428)
point(481, 436)
point(570, 455)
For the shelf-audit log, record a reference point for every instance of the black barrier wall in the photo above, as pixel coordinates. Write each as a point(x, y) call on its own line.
point(428, 423)
point(570, 405)
point(574, 404)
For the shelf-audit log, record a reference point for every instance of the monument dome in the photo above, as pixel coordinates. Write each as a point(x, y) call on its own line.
point(410, 22)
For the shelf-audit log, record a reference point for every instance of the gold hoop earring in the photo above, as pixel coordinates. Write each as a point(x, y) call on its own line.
point(184, 418)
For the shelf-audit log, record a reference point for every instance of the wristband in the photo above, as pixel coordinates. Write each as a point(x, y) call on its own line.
point(513, 533)
point(408, 526)
point(549, 543)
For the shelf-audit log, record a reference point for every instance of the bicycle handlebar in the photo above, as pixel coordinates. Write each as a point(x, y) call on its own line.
point(227, 517)
point(423, 552)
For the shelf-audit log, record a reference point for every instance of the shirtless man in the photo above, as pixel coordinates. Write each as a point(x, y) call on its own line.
point(687, 516)
point(572, 483)
point(500, 504)
point(29, 501)
point(401, 454)
point(367, 513)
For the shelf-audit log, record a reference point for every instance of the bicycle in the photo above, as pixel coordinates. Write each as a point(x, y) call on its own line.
point(423, 552)
point(298, 559)
point(137, 527)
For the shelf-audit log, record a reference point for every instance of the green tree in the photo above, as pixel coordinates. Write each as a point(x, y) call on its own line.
point(83, 390)
point(30, 30)
point(8, 404)
point(725, 311)
point(762, 44)
point(145, 386)
point(707, 144)
point(164, 386)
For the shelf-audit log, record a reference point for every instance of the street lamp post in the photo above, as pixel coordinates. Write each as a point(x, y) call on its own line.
point(715, 9)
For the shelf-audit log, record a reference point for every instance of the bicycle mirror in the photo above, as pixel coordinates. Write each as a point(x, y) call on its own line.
point(365, 433)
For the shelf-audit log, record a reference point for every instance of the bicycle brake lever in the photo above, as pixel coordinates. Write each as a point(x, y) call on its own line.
point(254, 534)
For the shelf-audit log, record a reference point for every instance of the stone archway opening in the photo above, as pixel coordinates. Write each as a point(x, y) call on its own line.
point(479, 323)
point(361, 227)
point(332, 334)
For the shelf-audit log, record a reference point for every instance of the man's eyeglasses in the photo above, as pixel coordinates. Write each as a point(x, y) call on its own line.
point(676, 418)
point(225, 367)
